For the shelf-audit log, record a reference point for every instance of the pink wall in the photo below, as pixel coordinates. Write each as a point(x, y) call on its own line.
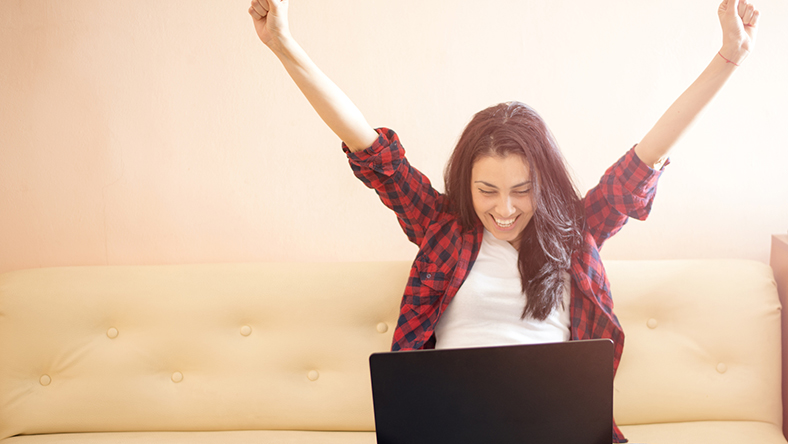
point(164, 132)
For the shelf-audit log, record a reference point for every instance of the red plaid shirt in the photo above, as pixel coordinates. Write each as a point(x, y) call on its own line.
point(447, 253)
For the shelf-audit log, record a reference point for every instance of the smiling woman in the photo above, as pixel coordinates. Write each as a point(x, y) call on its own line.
point(521, 192)
point(508, 195)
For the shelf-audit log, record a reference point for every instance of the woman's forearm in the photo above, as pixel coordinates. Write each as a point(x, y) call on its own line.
point(654, 147)
point(331, 104)
point(739, 21)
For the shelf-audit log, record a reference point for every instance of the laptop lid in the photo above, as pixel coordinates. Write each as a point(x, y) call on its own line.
point(558, 393)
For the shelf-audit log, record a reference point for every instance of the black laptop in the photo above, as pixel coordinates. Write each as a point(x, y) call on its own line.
point(545, 393)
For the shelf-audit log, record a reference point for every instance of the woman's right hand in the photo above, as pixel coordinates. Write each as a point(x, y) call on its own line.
point(739, 20)
point(270, 20)
point(331, 104)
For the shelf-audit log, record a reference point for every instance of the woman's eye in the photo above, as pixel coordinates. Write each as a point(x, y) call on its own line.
point(524, 192)
point(486, 191)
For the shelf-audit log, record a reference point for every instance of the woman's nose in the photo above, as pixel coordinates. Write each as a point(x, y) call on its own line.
point(505, 208)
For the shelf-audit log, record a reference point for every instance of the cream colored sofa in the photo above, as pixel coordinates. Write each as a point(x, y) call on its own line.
point(277, 352)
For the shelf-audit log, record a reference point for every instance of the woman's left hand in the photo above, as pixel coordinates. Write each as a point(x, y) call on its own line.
point(739, 20)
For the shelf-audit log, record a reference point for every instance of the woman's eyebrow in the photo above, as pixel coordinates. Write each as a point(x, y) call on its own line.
point(527, 182)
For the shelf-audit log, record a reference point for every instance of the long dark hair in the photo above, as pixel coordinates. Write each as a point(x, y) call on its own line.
point(555, 230)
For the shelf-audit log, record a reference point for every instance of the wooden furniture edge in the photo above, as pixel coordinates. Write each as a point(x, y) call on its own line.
point(779, 262)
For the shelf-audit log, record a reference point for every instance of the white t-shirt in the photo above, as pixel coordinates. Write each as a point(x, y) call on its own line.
point(487, 308)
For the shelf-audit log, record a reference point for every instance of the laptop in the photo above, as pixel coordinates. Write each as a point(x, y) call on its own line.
point(544, 393)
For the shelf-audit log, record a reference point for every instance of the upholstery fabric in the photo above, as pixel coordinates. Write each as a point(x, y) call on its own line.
point(279, 352)
point(306, 321)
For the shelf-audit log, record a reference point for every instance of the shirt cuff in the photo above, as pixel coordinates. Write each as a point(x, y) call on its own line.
point(383, 156)
point(635, 175)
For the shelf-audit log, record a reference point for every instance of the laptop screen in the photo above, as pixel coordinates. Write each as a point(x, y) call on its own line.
point(559, 392)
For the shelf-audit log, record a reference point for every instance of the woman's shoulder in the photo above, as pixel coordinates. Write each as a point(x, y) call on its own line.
point(447, 235)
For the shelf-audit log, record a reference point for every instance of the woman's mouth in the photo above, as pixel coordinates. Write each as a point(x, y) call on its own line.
point(504, 223)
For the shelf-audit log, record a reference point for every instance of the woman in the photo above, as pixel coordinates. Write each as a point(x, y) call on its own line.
point(510, 253)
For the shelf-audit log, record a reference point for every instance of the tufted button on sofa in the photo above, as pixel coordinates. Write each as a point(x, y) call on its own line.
point(277, 352)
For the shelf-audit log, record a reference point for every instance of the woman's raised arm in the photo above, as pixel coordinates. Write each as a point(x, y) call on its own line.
point(331, 104)
point(739, 20)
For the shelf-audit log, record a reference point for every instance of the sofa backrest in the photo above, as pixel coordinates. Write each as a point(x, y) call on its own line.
point(286, 345)
point(702, 341)
point(193, 347)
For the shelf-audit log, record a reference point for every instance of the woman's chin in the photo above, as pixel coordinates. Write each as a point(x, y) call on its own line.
point(509, 235)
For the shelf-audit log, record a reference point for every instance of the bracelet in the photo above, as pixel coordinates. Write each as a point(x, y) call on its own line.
point(726, 60)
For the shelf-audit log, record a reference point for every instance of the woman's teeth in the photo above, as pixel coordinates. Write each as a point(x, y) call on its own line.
point(504, 223)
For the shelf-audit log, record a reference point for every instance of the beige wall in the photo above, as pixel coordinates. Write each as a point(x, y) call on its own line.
point(165, 132)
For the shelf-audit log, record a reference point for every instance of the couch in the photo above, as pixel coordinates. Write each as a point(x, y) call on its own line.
point(278, 352)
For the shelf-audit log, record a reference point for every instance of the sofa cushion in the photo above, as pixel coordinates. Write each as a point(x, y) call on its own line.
point(717, 432)
point(228, 437)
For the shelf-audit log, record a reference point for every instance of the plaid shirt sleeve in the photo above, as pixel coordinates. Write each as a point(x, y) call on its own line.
point(404, 189)
point(627, 189)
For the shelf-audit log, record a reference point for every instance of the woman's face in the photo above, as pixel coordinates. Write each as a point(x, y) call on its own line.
point(501, 190)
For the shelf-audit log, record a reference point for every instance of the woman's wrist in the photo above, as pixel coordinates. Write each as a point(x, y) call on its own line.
point(281, 43)
point(733, 54)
